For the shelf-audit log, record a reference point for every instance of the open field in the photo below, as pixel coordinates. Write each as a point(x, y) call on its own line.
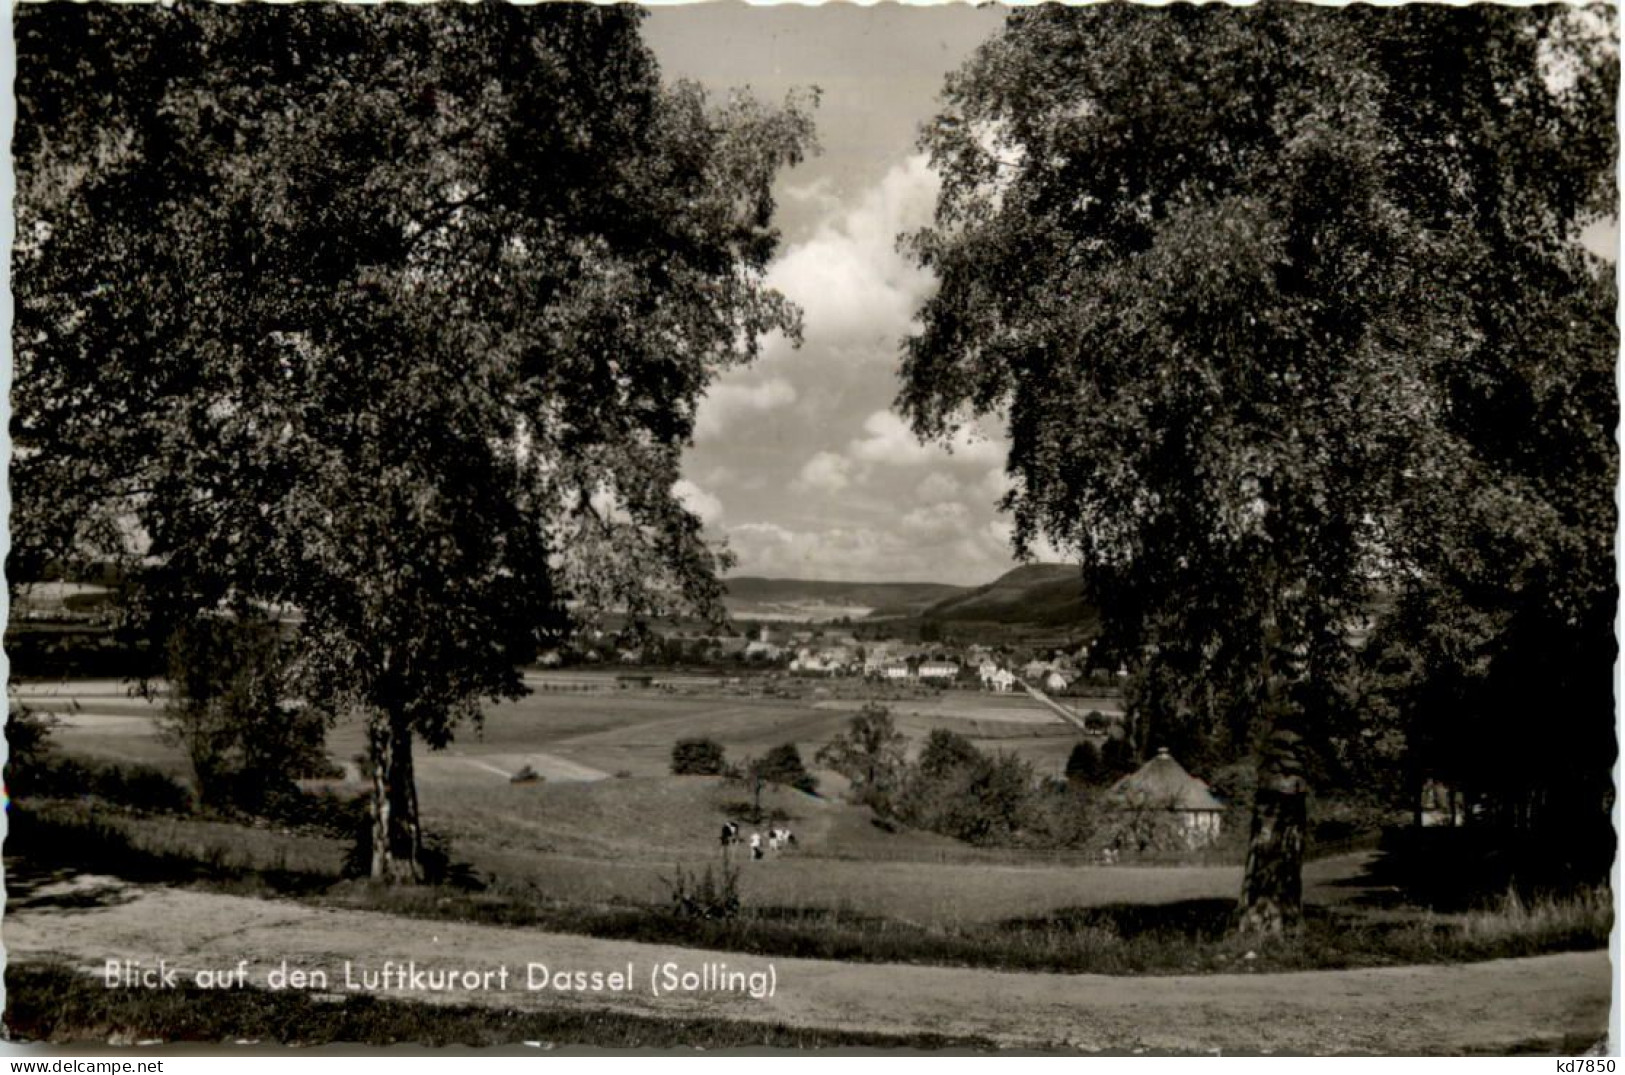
point(874, 929)
point(587, 728)
point(608, 823)
point(1554, 1003)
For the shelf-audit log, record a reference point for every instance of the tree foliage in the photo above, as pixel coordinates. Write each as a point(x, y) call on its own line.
point(783, 765)
point(394, 316)
point(698, 757)
point(1285, 310)
point(957, 790)
point(1083, 765)
point(227, 706)
point(870, 753)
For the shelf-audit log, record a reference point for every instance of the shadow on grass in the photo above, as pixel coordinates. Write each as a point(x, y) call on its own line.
point(1199, 920)
point(1455, 870)
point(60, 890)
point(89, 837)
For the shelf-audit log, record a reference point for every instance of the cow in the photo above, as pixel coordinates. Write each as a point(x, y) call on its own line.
point(730, 833)
point(779, 839)
point(755, 845)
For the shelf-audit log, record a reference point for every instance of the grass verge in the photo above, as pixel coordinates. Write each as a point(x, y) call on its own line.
point(1185, 937)
point(1188, 937)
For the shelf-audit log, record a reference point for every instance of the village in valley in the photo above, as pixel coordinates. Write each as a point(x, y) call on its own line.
point(835, 652)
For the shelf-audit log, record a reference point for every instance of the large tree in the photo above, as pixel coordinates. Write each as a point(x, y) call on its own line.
point(391, 318)
point(1506, 608)
point(1231, 277)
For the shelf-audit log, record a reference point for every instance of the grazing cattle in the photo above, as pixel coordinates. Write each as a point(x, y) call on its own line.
point(730, 833)
point(779, 839)
point(755, 845)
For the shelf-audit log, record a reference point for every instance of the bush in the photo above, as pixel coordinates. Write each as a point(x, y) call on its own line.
point(698, 757)
point(783, 765)
point(1140, 826)
point(28, 736)
point(870, 754)
point(37, 771)
point(87, 653)
point(226, 709)
point(1083, 765)
point(1062, 817)
point(944, 753)
point(1117, 759)
point(956, 790)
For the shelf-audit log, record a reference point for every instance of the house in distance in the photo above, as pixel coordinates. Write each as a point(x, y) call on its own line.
point(1163, 784)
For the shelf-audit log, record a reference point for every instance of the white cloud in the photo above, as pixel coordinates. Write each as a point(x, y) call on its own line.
point(820, 481)
point(820, 194)
point(995, 483)
point(937, 522)
point(827, 472)
point(726, 402)
point(856, 552)
point(850, 280)
point(1001, 532)
point(937, 486)
point(934, 544)
point(706, 505)
point(761, 535)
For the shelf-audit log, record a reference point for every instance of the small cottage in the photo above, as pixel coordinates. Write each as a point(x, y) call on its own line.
point(1163, 784)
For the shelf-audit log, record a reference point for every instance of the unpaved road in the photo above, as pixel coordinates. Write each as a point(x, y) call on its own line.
point(1491, 1006)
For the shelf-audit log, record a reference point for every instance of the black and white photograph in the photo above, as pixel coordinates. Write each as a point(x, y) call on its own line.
point(1064, 529)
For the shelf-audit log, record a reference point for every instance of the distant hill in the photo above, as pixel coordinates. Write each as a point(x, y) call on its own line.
point(1048, 595)
point(1042, 595)
point(749, 597)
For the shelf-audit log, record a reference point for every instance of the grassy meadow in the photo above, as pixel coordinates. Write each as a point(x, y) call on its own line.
point(594, 847)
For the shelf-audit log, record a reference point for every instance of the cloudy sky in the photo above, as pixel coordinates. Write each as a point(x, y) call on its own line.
point(799, 462)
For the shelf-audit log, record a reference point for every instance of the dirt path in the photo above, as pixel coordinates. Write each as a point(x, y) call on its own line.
point(1074, 719)
point(1439, 1009)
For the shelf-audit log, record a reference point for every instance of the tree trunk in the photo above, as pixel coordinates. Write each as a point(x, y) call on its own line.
point(396, 837)
point(1272, 887)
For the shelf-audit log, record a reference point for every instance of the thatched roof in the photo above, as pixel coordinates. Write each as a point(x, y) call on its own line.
point(1162, 781)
